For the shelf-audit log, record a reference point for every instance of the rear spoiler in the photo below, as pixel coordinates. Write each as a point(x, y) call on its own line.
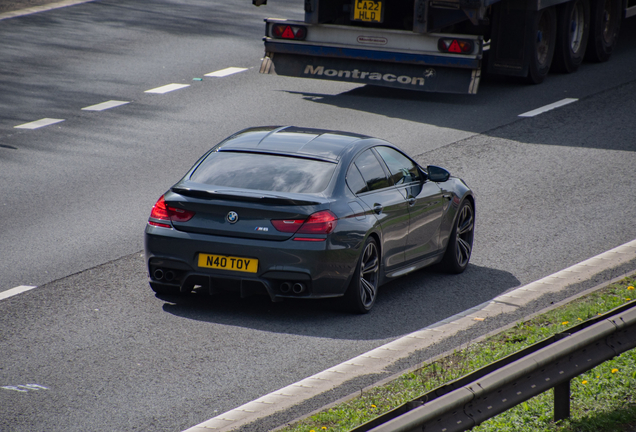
point(231, 195)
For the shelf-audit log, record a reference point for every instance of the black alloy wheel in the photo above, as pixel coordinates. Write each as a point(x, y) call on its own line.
point(460, 243)
point(363, 289)
point(572, 34)
point(542, 47)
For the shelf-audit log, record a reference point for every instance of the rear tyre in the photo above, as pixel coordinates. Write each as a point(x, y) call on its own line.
point(363, 289)
point(460, 243)
point(542, 45)
point(160, 288)
point(573, 25)
point(605, 22)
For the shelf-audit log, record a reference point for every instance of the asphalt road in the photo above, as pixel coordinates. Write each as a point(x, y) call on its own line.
point(552, 191)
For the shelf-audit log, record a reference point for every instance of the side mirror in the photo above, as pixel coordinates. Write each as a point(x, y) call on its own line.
point(437, 174)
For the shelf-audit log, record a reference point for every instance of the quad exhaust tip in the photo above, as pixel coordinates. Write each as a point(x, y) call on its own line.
point(168, 275)
point(285, 287)
point(296, 288)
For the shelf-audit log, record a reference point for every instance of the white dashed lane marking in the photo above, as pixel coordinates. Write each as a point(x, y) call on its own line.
point(115, 103)
point(38, 123)
point(15, 291)
point(105, 105)
point(43, 8)
point(167, 88)
point(26, 388)
point(552, 106)
point(225, 72)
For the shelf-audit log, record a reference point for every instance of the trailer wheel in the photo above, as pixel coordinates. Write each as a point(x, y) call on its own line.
point(604, 26)
point(542, 47)
point(573, 25)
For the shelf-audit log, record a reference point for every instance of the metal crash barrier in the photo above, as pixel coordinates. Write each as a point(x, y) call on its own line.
point(552, 363)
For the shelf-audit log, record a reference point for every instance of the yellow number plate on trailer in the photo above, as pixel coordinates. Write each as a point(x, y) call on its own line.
point(368, 11)
point(223, 262)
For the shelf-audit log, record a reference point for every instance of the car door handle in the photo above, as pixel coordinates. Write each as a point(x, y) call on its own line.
point(447, 196)
point(377, 208)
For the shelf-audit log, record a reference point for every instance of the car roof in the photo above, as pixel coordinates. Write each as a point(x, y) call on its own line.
point(292, 140)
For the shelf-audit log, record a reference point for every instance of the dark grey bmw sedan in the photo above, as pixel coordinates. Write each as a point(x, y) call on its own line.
point(306, 213)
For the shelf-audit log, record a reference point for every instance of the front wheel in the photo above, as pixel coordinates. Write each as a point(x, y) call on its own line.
point(460, 243)
point(363, 289)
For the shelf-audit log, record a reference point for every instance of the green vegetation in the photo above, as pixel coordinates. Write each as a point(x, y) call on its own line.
point(603, 399)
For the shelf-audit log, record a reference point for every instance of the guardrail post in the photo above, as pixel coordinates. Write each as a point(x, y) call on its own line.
point(562, 401)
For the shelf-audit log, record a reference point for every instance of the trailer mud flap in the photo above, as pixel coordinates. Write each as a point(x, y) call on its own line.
point(396, 75)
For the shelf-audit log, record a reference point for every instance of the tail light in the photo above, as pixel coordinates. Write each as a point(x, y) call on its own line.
point(322, 222)
point(456, 46)
point(163, 215)
point(286, 31)
point(288, 225)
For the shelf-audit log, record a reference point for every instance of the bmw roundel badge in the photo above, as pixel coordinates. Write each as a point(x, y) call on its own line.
point(232, 217)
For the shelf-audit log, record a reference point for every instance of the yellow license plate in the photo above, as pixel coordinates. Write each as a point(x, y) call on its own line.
point(224, 262)
point(367, 11)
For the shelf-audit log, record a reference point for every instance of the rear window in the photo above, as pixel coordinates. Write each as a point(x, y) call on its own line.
point(264, 172)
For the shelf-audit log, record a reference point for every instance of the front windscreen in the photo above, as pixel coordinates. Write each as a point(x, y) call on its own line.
point(264, 172)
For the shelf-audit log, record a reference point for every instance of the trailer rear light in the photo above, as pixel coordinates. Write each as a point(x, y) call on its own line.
point(164, 215)
point(286, 31)
point(456, 46)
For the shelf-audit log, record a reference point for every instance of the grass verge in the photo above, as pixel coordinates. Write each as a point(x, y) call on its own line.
point(603, 399)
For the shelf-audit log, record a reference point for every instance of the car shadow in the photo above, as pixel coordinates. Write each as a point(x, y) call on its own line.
point(408, 304)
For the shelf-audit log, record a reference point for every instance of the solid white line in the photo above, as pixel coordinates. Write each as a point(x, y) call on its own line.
point(36, 9)
point(38, 123)
point(378, 359)
point(548, 107)
point(15, 291)
point(226, 72)
point(167, 88)
point(105, 105)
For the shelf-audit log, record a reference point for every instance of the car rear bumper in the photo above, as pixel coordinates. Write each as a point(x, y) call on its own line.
point(286, 269)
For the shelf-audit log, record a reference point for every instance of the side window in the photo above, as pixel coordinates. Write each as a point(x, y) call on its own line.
point(371, 171)
point(355, 181)
point(402, 169)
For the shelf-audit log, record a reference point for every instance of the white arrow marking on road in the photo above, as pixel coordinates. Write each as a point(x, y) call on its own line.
point(167, 88)
point(552, 106)
point(15, 291)
point(226, 72)
point(38, 123)
point(105, 105)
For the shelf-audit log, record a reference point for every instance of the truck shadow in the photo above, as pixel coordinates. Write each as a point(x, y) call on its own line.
point(408, 304)
point(495, 110)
